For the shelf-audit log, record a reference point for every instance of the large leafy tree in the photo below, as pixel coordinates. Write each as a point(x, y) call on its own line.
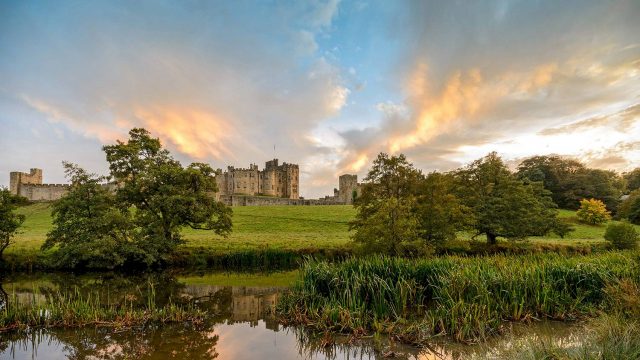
point(88, 229)
point(9, 220)
point(164, 195)
point(385, 219)
point(504, 206)
point(137, 219)
point(439, 212)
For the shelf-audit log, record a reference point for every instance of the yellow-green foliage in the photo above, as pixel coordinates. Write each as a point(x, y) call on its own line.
point(593, 212)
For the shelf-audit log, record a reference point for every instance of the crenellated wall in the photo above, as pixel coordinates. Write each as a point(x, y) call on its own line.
point(43, 192)
point(30, 186)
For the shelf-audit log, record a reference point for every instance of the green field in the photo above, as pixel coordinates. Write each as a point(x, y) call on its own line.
point(277, 227)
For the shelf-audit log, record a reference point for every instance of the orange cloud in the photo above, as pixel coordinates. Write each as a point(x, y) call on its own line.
point(194, 132)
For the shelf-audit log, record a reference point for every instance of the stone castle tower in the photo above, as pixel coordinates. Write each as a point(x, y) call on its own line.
point(17, 179)
point(348, 189)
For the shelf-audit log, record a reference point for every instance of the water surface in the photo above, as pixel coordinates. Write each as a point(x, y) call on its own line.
point(242, 324)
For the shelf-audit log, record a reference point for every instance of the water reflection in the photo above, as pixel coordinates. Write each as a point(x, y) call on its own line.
point(242, 324)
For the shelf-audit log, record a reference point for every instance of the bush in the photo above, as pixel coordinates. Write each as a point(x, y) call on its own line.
point(593, 212)
point(622, 235)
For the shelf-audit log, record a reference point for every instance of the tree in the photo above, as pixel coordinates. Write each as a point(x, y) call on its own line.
point(593, 212)
point(630, 208)
point(385, 217)
point(88, 228)
point(621, 235)
point(392, 229)
point(555, 173)
point(632, 179)
point(569, 181)
point(504, 206)
point(166, 196)
point(440, 213)
point(136, 220)
point(9, 220)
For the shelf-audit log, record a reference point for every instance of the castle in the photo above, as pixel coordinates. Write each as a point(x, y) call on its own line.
point(275, 185)
point(30, 186)
point(275, 180)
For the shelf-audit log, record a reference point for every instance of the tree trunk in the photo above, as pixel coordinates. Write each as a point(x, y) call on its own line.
point(492, 239)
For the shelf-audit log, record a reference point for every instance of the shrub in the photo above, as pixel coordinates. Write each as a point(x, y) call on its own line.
point(622, 235)
point(593, 211)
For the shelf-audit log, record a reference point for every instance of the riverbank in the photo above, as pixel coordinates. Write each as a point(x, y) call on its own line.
point(467, 299)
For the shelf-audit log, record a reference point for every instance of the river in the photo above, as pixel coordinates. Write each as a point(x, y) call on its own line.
point(242, 325)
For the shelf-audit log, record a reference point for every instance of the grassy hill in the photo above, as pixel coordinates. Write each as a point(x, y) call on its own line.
point(301, 229)
point(279, 227)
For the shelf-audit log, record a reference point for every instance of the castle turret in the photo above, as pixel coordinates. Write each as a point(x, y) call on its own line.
point(16, 179)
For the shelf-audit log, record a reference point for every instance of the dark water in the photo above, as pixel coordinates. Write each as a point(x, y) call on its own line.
point(242, 324)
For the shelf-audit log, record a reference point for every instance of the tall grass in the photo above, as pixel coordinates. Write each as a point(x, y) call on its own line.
point(74, 309)
point(466, 298)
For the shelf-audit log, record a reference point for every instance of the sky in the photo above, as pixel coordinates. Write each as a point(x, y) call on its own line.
point(326, 84)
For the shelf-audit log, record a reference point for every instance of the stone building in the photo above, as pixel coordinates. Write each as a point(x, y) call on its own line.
point(30, 186)
point(348, 190)
point(275, 180)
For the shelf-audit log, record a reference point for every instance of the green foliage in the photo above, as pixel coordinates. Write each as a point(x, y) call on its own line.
point(391, 229)
point(165, 196)
point(630, 208)
point(155, 197)
point(633, 179)
point(504, 206)
point(467, 298)
point(621, 235)
point(88, 228)
point(440, 213)
point(10, 221)
point(569, 181)
point(385, 210)
point(593, 212)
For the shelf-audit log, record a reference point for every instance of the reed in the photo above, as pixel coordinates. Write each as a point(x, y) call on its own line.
point(74, 309)
point(465, 298)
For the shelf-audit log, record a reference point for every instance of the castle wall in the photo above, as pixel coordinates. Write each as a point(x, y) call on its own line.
point(43, 192)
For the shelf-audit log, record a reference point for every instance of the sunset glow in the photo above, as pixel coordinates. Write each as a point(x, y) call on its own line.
point(322, 83)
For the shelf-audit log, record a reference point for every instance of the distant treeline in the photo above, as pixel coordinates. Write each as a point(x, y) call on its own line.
point(402, 211)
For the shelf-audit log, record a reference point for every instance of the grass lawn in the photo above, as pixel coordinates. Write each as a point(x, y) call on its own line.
point(275, 227)
point(278, 227)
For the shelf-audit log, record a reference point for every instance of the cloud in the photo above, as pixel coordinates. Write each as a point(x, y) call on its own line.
point(215, 82)
point(446, 82)
point(622, 121)
point(473, 86)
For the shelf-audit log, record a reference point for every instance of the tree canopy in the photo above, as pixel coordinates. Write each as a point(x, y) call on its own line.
point(570, 181)
point(504, 206)
point(138, 217)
